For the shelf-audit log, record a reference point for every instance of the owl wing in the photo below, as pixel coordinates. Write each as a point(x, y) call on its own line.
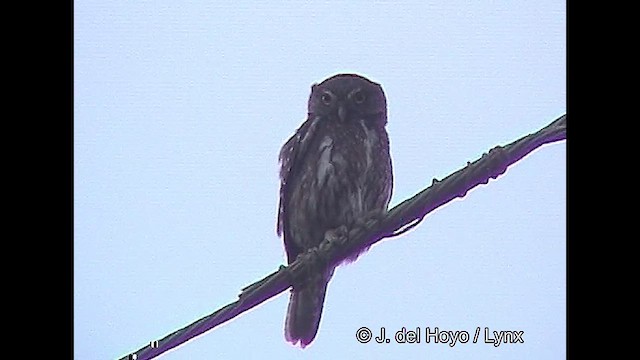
point(381, 177)
point(291, 161)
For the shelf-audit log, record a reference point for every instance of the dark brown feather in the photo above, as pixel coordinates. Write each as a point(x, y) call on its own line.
point(334, 170)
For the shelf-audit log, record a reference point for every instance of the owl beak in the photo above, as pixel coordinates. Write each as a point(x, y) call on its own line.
point(342, 112)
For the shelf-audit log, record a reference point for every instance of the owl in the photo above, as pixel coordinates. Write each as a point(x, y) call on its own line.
point(334, 170)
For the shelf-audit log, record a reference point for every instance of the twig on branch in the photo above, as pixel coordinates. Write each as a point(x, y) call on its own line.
point(396, 221)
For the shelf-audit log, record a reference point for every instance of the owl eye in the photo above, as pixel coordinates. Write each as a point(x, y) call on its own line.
point(359, 97)
point(326, 98)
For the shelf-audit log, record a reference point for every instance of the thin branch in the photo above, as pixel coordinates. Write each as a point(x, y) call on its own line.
point(396, 221)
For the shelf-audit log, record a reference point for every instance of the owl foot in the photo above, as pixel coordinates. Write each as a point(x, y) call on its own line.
point(338, 234)
point(370, 218)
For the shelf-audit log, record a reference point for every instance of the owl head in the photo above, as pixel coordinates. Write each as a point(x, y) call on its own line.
point(348, 97)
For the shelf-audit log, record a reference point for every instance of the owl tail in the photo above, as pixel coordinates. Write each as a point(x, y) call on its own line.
point(304, 312)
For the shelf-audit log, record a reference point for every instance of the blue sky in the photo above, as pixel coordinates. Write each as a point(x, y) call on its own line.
point(181, 109)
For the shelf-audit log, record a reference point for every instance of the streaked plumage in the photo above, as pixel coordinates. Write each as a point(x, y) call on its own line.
point(335, 169)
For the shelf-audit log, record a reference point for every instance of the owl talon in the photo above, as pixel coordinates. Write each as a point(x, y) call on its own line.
point(336, 234)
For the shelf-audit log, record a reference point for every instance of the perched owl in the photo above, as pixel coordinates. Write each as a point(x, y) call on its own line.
point(334, 170)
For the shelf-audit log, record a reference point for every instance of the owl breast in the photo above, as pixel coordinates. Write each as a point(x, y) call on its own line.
point(341, 182)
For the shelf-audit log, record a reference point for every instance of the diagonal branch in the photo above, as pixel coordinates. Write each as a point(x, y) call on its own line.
point(395, 222)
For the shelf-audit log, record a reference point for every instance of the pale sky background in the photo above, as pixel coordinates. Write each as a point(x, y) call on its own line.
point(180, 111)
